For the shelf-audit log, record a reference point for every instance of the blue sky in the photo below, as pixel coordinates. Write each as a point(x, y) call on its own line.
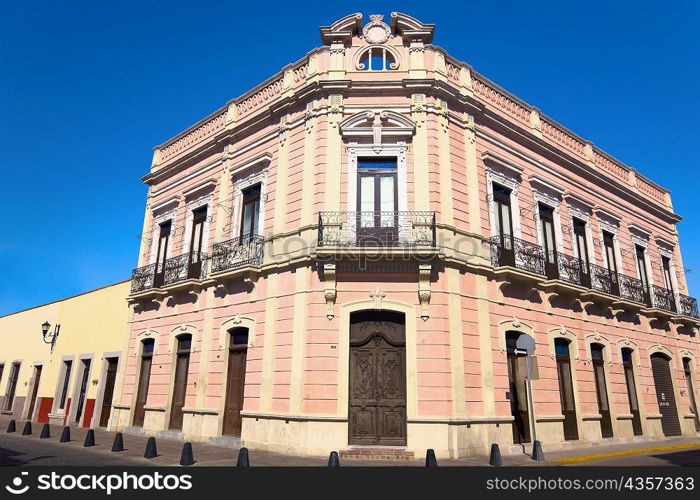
point(88, 88)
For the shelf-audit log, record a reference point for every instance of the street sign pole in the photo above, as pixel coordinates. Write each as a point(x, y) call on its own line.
point(530, 404)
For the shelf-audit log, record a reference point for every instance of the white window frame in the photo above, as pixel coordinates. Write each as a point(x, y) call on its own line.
point(169, 215)
point(643, 243)
point(508, 181)
point(584, 216)
point(554, 204)
point(672, 267)
point(256, 176)
point(604, 226)
point(192, 205)
point(398, 151)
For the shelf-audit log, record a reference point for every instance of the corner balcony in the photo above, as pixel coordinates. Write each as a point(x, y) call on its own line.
point(175, 273)
point(237, 255)
point(515, 259)
point(379, 234)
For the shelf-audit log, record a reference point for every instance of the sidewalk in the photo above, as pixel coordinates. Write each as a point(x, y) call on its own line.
point(16, 449)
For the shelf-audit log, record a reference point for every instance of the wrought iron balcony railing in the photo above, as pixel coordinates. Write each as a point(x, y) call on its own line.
point(186, 266)
point(688, 306)
point(514, 252)
point(237, 253)
point(604, 280)
point(376, 229)
point(191, 265)
point(142, 278)
point(663, 298)
point(633, 289)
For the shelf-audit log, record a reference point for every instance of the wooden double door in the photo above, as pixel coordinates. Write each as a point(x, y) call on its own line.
point(377, 396)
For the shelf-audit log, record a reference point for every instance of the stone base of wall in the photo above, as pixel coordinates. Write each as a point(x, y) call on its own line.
point(449, 439)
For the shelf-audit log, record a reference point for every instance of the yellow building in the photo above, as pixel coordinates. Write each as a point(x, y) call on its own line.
point(73, 380)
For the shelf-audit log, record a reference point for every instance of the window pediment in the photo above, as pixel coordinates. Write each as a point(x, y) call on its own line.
point(377, 125)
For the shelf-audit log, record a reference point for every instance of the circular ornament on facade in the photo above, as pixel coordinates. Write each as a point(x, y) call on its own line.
point(376, 31)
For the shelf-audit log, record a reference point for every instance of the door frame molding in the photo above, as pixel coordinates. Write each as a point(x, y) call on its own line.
point(673, 367)
point(596, 338)
point(574, 358)
point(101, 387)
point(411, 313)
point(75, 393)
point(182, 329)
point(234, 322)
point(30, 390)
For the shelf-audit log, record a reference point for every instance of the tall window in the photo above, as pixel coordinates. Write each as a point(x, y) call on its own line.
point(609, 247)
point(11, 386)
point(642, 265)
point(67, 365)
point(199, 217)
point(517, 391)
point(581, 246)
point(250, 213)
point(162, 252)
point(666, 268)
point(503, 219)
point(548, 240)
point(377, 201)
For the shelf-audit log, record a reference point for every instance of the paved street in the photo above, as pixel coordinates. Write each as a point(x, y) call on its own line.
point(18, 450)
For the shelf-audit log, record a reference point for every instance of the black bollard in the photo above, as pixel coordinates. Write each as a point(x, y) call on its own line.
point(11, 427)
point(45, 432)
point(118, 444)
point(495, 458)
point(151, 451)
point(27, 431)
point(243, 460)
point(333, 460)
point(430, 460)
point(186, 458)
point(65, 435)
point(537, 453)
point(89, 439)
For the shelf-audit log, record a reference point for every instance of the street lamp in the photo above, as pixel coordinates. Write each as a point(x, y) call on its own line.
point(50, 338)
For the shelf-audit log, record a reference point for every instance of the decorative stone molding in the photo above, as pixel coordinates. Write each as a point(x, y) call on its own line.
point(330, 291)
point(377, 125)
point(377, 295)
point(342, 30)
point(376, 31)
point(424, 272)
point(411, 29)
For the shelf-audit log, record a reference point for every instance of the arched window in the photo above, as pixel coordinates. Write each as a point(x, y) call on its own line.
point(598, 358)
point(688, 371)
point(377, 59)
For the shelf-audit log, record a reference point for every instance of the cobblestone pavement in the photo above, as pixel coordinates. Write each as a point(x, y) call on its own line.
point(19, 450)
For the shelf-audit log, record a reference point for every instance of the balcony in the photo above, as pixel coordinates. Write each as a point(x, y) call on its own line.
point(175, 270)
point(376, 233)
point(237, 254)
point(514, 253)
point(563, 273)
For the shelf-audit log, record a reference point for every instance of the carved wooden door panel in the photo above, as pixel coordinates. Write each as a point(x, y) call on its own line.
point(377, 413)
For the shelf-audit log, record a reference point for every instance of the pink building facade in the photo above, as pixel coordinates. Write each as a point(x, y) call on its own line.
point(351, 254)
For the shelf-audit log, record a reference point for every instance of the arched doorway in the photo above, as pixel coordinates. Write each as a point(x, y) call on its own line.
point(517, 391)
point(377, 395)
point(663, 382)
